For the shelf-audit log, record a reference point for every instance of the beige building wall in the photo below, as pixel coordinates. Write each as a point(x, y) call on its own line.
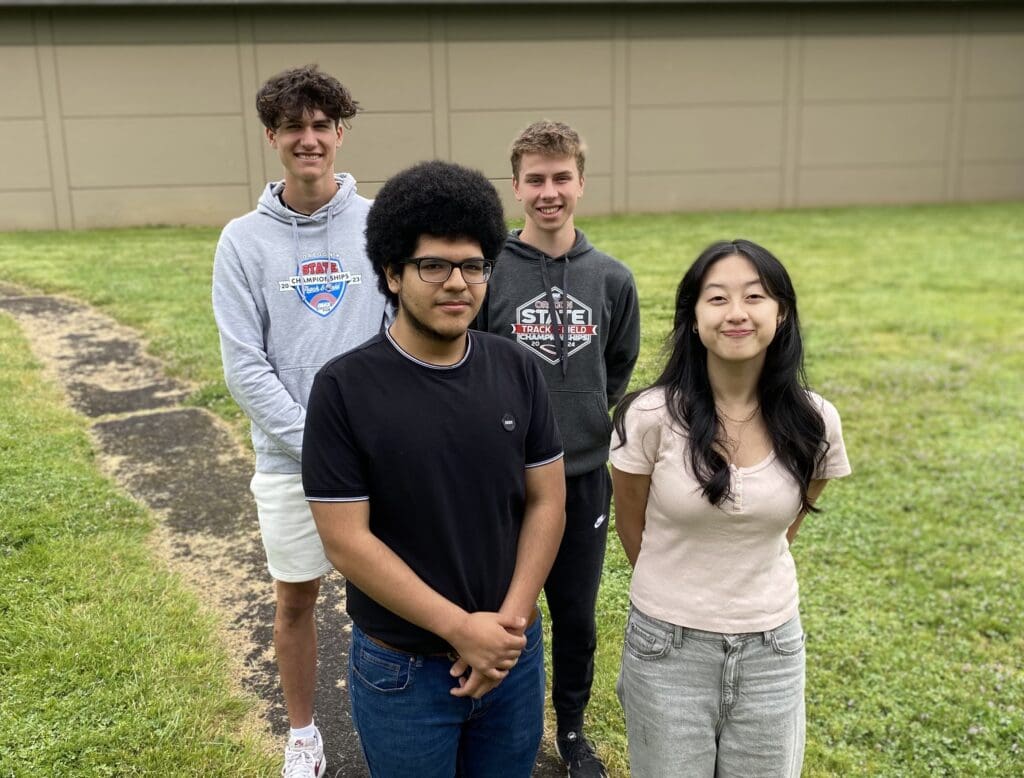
point(124, 116)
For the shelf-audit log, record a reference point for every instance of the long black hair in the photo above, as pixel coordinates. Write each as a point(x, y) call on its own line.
point(795, 426)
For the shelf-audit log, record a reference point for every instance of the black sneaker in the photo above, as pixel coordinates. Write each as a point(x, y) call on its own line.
point(579, 756)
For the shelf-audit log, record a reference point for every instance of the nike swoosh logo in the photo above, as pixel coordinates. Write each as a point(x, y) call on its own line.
point(599, 522)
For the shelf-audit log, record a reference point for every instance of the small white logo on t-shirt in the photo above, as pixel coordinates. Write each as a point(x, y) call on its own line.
point(599, 522)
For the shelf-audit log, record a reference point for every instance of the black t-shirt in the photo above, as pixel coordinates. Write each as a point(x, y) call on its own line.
point(441, 453)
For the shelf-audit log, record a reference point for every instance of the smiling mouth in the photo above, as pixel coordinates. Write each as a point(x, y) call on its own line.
point(737, 333)
point(309, 157)
point(549, 210)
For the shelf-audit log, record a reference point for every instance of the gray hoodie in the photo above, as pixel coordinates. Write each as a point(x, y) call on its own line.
point(290, 292)
point(586, 365)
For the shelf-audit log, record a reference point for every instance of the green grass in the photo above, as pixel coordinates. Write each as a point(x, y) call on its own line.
point(107, 665)
point(911, 578)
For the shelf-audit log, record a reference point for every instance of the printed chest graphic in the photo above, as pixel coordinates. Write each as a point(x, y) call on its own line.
point(536, 329)
point(320, 283)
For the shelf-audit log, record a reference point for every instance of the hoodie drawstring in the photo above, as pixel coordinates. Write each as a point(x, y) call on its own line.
point(556, 318)
point(295, 240)
point(295, 236)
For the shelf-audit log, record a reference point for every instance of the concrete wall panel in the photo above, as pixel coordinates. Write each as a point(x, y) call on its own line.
point(994, 131)
point(993, 181)
point(381, 76)
point(209, 205)
point(148, 152)
point(996, 66)
point(721, 23)
point(338, 24)
point(703, 191)
point(155, 80)
point(23, 154)
point(846, 67)
point(873, 134)
point(670, 71)
point(482, 139)
point(548, 26)
point(494, 75)
point(27, 211)
point(872, 185)
point(21, 95)
point(136, 26)
point(706, 138)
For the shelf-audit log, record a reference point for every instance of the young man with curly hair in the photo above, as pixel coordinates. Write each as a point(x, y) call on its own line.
point(433, 467)
point(292, 287)
point(574, 310)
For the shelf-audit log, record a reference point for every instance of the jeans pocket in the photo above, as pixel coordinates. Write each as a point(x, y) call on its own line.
point(382, 671)
point(646, 641)
point(788, 644)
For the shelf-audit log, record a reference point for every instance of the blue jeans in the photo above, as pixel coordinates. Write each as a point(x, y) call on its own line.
point(409, 725)
point(707, 704)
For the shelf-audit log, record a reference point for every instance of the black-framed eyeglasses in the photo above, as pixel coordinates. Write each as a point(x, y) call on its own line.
point(437, 270)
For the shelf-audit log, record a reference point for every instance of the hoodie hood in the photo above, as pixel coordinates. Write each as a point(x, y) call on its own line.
point(270, 204)
point(526, 251)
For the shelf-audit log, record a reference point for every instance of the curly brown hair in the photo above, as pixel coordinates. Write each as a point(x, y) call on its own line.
point(294, 92)
point(552, 139)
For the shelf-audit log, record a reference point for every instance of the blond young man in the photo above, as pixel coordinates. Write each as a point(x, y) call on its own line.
point(288, 294)
point(575, 310)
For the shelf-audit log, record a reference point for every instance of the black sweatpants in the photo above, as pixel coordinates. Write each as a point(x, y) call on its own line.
point(571, 591)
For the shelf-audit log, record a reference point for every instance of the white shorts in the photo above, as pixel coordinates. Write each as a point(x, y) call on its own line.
point(294, 551)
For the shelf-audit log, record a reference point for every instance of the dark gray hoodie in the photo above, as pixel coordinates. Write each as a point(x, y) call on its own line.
point(586, 364)
point(290, 292)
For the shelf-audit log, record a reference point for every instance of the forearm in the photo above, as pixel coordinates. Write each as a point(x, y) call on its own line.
point(384, 577)
point(539, 538)
point(814, 491)
point(631, 492)
point(488, 642)
point(248, 373)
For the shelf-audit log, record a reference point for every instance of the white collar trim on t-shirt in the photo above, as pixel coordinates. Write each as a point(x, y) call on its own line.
point(411, 358)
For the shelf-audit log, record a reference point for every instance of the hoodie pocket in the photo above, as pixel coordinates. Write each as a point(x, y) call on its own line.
point(582, 419)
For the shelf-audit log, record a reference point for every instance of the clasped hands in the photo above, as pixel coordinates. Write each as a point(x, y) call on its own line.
point(488, 645)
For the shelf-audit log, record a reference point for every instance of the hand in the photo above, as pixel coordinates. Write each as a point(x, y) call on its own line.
point(488, 645)
point(489, 642)
point(474, 684)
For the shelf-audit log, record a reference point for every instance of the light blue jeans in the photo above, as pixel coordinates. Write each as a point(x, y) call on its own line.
point(706, 704)
point(410, 726)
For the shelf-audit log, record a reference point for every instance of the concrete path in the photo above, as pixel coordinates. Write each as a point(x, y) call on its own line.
point(194, 475)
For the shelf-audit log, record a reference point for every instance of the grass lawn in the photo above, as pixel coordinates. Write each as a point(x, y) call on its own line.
point(911, 579)
point(107, 666)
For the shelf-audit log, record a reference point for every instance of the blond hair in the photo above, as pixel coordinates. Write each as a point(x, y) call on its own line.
point(551, 139)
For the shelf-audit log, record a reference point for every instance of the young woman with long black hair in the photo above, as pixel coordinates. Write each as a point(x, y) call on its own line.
point(714, 466)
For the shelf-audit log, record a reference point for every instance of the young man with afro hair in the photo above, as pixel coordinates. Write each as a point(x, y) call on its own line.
point(433, 467)
point(292, 287)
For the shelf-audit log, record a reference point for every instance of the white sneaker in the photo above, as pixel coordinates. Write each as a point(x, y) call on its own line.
point(304, 758)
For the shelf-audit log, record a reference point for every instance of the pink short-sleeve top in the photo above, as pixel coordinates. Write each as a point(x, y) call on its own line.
point(723, 568)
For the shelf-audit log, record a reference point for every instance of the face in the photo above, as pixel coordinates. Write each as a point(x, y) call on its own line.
point(438, 311)
point(307, 146)
point(736, 318)
point(548, 188)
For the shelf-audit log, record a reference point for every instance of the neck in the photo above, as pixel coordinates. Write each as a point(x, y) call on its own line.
point(734, 385)
point(554, 244)
point(427, 347)
point(308, 196)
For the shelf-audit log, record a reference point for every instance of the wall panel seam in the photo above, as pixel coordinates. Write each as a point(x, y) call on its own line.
point(56, 142)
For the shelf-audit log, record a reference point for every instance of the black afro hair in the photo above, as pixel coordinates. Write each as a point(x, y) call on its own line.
point(439, 199)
